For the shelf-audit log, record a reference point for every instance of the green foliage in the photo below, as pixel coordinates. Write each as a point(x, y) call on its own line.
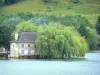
point(98, 31)
point(11, 24)
point(88, 8)
point(98, 26)
point(7, 2)
point(93, 1)
point(26, 16)
point(50, 1)
point(6, 30)
point(69, 6)
point(59, 42)
point(83, 27)
point(80, 23)
point(47, 1)
point(38, 18)
point(25, 27)
point(44, 18)
point(75, 1)
point(2, 18)
point(98, 46)
point(92, 38)
point(77, 21)
point(1, 2)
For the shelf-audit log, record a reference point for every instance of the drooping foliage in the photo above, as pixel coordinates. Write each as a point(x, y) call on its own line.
point(59, 42)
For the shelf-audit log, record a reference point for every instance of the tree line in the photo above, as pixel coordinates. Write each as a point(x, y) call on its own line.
point(82, 25)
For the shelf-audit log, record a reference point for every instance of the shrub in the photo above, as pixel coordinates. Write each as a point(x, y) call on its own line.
point(24, 27)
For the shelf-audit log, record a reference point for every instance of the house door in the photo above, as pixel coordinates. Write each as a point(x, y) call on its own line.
point(29, 52)
point(22, 52)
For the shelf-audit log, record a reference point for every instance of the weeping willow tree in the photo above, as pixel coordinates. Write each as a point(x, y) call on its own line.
point(60, 42)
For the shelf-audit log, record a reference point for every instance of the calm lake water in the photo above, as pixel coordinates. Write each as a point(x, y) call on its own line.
point(89, 66)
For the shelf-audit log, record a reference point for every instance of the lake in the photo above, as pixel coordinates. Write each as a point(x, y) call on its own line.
point(88, 66)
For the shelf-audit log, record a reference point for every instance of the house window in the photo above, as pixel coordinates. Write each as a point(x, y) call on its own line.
point(29, 45)
point(22, 45)
point(29, 52)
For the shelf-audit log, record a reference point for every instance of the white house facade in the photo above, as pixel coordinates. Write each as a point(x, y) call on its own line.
point(25, 45)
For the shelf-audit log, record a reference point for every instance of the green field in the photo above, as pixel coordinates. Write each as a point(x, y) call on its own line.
point(89, 8)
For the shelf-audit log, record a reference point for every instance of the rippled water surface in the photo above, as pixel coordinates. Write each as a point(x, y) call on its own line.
point(89, 66)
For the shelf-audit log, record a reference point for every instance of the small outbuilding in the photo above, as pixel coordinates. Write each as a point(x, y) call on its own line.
point(4, 52)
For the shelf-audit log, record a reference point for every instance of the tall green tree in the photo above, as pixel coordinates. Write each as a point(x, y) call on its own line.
point(98, 31)
point(98, 25)
point(92, 38)
point(6, 30)
point(59, 42)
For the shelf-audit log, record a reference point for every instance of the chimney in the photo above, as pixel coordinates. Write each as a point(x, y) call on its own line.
point(16, 36)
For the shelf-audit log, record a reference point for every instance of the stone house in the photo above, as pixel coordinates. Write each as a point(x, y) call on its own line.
point(25, 45)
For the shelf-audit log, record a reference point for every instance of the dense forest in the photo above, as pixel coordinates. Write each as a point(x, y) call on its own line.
point(58, 35)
